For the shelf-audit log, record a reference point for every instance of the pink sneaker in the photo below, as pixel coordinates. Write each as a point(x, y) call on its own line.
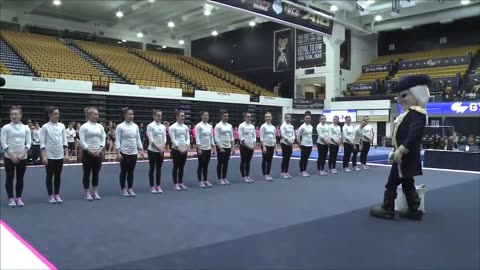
point(88, 196)
point(51, 199)
point(11, 202)
point(19, 202)
point(58, 199)
point(159, 189)
point(96, 196)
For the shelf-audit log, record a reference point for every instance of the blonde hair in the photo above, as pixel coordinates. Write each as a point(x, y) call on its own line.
point(88, 111)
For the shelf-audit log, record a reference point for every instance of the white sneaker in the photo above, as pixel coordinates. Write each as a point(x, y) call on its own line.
point(356, 168)
point(12, 203)
point(19, 202)
point(52, 200)
point(305, 174)
point(366, 167)
point(178, 188)
point(96, 196)
point(245, 180)
point(153, 190)
point(159, 190)
point(347, 170)
point(132, 194)
point(333, 171)
point(58, 199)
point(208, 184)
point(222, 182)
point(266, 178)
point(250, 179)
point(125, 193)
point(183, 187)
point(226, 181)
point(88, 197)
point(323, 173)
point(283, 176)
point(202, 185)
point(288, 176)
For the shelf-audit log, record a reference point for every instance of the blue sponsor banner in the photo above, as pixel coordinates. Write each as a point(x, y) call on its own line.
point(457, 108)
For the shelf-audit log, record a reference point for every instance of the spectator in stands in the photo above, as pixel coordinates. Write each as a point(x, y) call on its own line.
point(180, 135)
point(205, 143)
point(16, 141)
point(448, 143)
point(92, 141)
point(157, 135)
point(304, 137)
point(470, 146)
point(247, 133)
point(54, 147)
point(71, 133)
point(225, 146)
point(128, 145)
point(268, 144)
point(286, 142)
point(35, 143)
point(323, 131)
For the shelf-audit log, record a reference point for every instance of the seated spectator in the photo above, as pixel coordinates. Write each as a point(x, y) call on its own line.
point(449, 144)
point(470, 146)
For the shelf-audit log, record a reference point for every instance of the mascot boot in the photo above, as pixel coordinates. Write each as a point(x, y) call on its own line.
point(413, 202)
point(387, 210)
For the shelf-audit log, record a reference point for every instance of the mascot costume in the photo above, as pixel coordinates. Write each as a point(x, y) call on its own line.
point(413, 96)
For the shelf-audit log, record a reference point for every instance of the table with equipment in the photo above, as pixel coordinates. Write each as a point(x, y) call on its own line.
point(454, 160)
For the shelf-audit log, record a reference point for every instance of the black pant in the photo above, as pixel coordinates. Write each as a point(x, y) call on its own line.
point(54, 170)
point(203, 161)
point(155, 160)
point(222, 164)
point(286, 154)
point(305, 152)
point(127, 167)
point(332, 159)
point(408, 183)
point(245, 158)
point(91, 165)
point(322, 150)
point(35, 150)
point(355, 154)
point(364, 152)
point(347, 153)
point(10, 170)
point(267, 160)
point(179, 161)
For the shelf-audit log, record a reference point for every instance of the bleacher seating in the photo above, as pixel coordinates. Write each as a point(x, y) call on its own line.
point(130, 66)
point(434, 72)
point(190, 73)
point(51, 59)
point(427, 54)
point(250, 87)
point(371, 77)
point(4, 69)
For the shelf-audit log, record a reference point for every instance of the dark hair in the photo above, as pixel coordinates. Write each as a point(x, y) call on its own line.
point(287, 114)
point(307, 113)
point(222, 112)
point(322, 115)
point(348, 116)
point(245, 114)
point(268, 113)
point(155, 111)
point(16, 108)
point(336, 116)
point(125, 111)
point(202, 113)
point(366, 116)
point(48, 111)
point(177, 113)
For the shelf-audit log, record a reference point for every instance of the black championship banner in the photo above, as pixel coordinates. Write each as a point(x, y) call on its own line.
point(396, 6)
point(310, 50)
point(360, 87)
point(282, 50)
point(283, 13)
point(436, 62)
point(376, 68)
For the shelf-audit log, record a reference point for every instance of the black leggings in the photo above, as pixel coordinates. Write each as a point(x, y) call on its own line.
point(10, 170)
point(305, 154)
point(203, 161)
point(322, 150)
point(347, 152)
point(355, 154)
point(245, 158)
point(155, 160)
point(179, 161)
point(332, 159)
point(408, 183)
point(54, 170)
point(286, 154)
point(91, 165)
point(222, 164)
point(267, 160)
point(364, 152)
point(127, 167)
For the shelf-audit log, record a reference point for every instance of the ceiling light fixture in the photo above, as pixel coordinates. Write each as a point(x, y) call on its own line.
point(378, 18)
point(207, 12)
point(124, 40)
point(119, 42)
point(139, 34)
point(214, 33)
point(371, 1)
point(171, 24)
point(252, 23)
point(333, 8)
point(151, 1)
point(119, 14)
point(164, 47)
point(57, 2)
point(181, 42)
point(465, 2)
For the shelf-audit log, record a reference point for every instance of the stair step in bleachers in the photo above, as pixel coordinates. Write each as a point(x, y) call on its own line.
point(13, 62)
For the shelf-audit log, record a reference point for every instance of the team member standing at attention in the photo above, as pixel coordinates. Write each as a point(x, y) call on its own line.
point(225, 146)
point(16, 140)
point(358, 136)
point(54, 148)
point(127, 143)
point(180, 135)
point(366, 141)
point(323, 141)
point(92, 141)
point(247, 133)
point(335, 142)
point(348, 134)
point(304, 136)
point(267, 141)
point(286, 142)
point(157, 135)
point(205, 144)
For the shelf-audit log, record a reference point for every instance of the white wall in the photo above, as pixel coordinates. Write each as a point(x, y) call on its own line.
point(364, 50)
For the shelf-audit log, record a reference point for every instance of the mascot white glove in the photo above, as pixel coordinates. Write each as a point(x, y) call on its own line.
point(397, 155)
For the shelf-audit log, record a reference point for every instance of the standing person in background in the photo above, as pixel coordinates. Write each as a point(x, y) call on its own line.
point(157, 135)
point(205, 143)
point(71, 134)
point(92, 141)
point(335, 142)
point(128, 145)
point(111, 138)
point(168, 146)
point(348, 134)
point(142, 134)
point(247, 133)
point(268, 144)
point(286, 142)
point(236, 137)
point(54, 147)
point(257, 136)
point(357, 146)
point(323, 141)
point(278, 134)
point(225, 146)
point(366, 141)
point(180, 135)
point(35, 143)
point(16, 140)
point(304, 137)
point(192, 135)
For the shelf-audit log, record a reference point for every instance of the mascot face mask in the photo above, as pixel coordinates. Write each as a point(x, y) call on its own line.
point(415, 96)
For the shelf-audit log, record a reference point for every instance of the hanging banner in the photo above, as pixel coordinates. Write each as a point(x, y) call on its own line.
point(396, 6)
point(436, 62)
point(376, 68)
point(284, 13)
point(310, 50)
point(356, 87)
point(282, 50)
